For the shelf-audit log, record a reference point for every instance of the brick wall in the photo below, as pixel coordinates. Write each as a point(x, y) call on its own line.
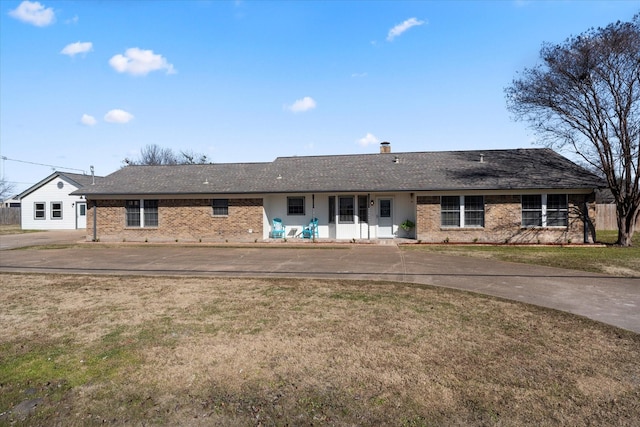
point(182, 220)
point(503, 219)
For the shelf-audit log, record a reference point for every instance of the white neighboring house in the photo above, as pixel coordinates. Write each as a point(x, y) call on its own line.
point(48, 204)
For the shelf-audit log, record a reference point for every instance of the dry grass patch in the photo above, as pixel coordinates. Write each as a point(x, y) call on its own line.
point(212, 351)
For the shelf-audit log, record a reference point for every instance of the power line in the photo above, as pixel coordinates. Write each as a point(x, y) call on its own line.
point(43, 164)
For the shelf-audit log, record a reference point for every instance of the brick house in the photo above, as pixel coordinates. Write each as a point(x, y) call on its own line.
point(516, 196)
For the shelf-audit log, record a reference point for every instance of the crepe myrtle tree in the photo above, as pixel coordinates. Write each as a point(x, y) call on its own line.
point(584, 96)
point(155, 155)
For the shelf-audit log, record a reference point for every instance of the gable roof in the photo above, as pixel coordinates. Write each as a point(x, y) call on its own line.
point(409, 171)
point(75, 179)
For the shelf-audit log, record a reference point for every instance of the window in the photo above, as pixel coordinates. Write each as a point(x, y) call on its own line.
point(220, 207)
point(450, 211)
point(150, 213)
point(56, 210)
point(462, 211)
point(295, 205)
point(332, 209)
point(557, 210)
point(346, 209)
point(542, 210)
point(132, 213)
point(39, 210)
point(83, 209)
point(473, 211)
point(363, 209)
point(141, 213)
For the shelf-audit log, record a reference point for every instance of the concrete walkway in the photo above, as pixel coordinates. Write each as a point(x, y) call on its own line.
point(611, 300)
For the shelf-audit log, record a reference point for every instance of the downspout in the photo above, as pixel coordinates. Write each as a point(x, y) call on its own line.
point(95, 221)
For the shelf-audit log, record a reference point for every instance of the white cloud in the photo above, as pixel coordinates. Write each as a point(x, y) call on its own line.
point(358, 75)
point(301, 105)
point(369, 139)
point(73, 20)
point(33, 13)
point(118, 116)
point(401, 28)
point(140, 62)
point(88, 120)
point(76, 48)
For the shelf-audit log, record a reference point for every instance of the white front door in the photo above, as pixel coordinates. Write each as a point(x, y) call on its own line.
point(81, 215)
point(385, 218)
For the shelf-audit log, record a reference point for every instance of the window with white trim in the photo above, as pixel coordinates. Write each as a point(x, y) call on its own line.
point(39, 210)
point(332, 209)
point(545, 210)
point(56, 210)
point(363, 209)
point(346, 209)
point(295, 205)
point(220, 207)
point(462, 211)
point(141, 213)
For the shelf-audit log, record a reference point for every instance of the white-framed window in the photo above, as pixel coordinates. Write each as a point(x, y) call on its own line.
point(332, 209)
point(462, 211)
point(141, 213)
point(220, 207)
point(363, 209)
point(56, 210)
point(346, 209)
point(545, 210)
point(295, 205)
point(39, 210)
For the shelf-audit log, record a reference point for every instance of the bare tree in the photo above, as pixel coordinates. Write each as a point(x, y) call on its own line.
point(155, 155)
point(585, 96)
point(6, 188)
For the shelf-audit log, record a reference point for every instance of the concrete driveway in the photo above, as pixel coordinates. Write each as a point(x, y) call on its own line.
point(611, 300)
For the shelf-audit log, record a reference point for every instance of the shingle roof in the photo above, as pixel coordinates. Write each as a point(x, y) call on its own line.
point(409, 171)
point(79, 180)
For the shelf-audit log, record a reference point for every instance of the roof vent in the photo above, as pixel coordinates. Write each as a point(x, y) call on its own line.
point(396, 159)
point(481, 158)
point(385, 147)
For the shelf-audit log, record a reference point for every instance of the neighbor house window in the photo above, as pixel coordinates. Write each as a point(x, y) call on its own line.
point(56, 210)
point(363, 209)
point(220, 207)
point(332, 209)
point(346, 209)
point(141, 213)
point(295, 205)
point(462, 211)
point(545, 210)
point(39, 210)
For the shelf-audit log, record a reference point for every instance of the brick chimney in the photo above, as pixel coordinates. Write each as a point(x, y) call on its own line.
point(385, 147)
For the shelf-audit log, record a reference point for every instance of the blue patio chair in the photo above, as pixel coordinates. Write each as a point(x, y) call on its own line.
point(278, 229)
point(311, 231)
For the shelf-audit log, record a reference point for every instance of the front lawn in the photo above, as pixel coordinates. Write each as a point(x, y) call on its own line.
point(105, 350)
point(610, 260)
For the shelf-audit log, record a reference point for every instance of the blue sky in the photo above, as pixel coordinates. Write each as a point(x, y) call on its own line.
point(92, 82)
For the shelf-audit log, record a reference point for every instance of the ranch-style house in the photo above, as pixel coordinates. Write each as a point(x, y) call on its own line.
point(497, 196)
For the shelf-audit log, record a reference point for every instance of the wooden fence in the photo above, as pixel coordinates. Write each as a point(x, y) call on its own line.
point(606, 217)
point(9, 216)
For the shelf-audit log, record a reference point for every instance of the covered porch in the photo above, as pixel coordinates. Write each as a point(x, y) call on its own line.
point(341, 216)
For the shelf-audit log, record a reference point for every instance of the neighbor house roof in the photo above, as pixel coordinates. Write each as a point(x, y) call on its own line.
point(409, 171)
point(76, 179)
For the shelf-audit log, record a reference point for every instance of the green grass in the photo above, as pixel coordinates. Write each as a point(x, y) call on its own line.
point(607, 259)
